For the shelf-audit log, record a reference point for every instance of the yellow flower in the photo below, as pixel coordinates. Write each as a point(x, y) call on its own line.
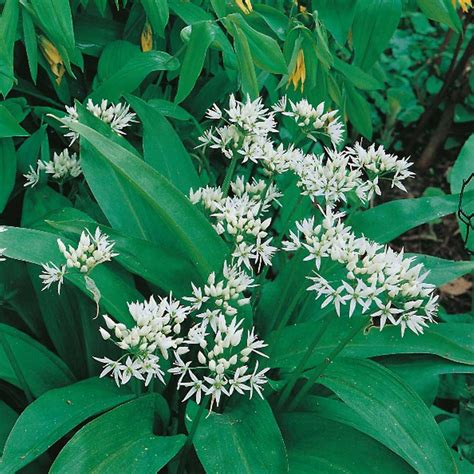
point(245, 6)
point(53, 57)
point(299, 72)
point(465, 4)
point(146, 39)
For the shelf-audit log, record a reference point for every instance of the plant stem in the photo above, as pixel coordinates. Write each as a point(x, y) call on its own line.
point(319, 370)
point(299, 369)
point(189, 440)
point(229, 174)
point(16, 367)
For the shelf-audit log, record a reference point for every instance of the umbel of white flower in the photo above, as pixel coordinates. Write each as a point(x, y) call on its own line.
point(157, 331)
point(379, 281)
point(92, 250)
point(241, 217)
point(62, 167)
point(118, 116)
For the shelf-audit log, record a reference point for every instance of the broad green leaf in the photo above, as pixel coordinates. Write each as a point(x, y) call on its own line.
point(275, 18)
point(29, 151)
point(248, 77)
point(7, 170)
point(202, 35)
point(144, 258)
point(8, 25)
point(452, 341)
point(126, 443)
point(8, 417)
point(243, 439)
point(265, 51)
point(157, 210)
point(31, 43)
point(9, 126)
point(158, 13)
point(463, 167)
point(337, 16)
point(40, 247)
point(401, 215)
point(442, 11)
point(41, 369)
point(317, 444)
point(114, 57)
point(359, 112)
point(54, 414)
point(132, 74)
point(443, 271)
point(375, 22)
point(359, 78)
point(388, 404)
point(163, 148)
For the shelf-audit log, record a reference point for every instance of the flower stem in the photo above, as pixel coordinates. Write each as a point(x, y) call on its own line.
point(300, 368)
point(229, 174)
point(319, 370)
point(189, 439)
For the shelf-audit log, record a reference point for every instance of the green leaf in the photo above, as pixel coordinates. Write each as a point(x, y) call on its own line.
point(8, 24)
point(317, 444)
point(402, 215)
point(202, 35)
point(358, 110)
point(7, 170)
point(31, 43)
point(442, 11)
point(9, 126)
point(447, 340)
point(41, 369)
point(265, 51)
point(337, 16)
point(8, 417)
point(243, 439)
point(39, 247)
point(462, 168)
point(374, 24)
point(145, 204)
point(114, 56)
point(158, 14)
point(443, 271)
point(54, 414)
point(163, 148)
point(359, 78)
point(392, 407)
point(132, 74)
point(126, 443)
point(248, 77)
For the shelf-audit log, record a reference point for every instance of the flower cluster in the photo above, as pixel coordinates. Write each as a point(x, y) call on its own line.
point(118, 116)
point(92, 250)
point(223, 350)
point(157, 330)
point(240, 217)
point(378, 280)
point(213, 358)
point(62, 167)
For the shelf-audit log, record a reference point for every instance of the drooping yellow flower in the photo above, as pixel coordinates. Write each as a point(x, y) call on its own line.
point(245, 6)
point(146, 39)
point(299, 72)
point(53, 57)
point(465, 4)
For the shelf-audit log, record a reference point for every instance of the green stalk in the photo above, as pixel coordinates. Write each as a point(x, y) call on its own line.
point(301, 366)
point(229, 174)
point(16, 368)
point(320, 369)
point(189, 439)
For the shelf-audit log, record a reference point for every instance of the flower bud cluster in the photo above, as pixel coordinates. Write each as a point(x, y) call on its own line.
point(156, 332)
point(240, 218)
point(91, 251)
point(118, 116)
point(62, 167)
point(378, 280)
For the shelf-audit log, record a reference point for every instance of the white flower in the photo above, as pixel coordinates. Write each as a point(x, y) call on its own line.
point(52, 274)
point(62, 166)
point(32, 177)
